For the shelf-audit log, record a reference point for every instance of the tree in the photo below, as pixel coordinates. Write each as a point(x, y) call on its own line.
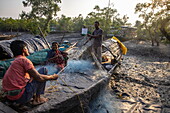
point(2, 25)
point(156, 17)
point(64, 23)
point(10, 24)
point(139, 26)
point(165, 27)
point(41, 9)
point(125, 20)
point(104, 16)
point(78, 22)
point(32, 26)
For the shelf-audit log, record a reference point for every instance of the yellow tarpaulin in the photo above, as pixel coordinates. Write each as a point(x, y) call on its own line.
point(123, 47)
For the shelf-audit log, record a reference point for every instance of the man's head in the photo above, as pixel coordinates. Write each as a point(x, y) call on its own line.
point(55, 45)
point(96, 24)
point(19, 47)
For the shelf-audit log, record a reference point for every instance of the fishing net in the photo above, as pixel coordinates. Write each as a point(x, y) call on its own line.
point(4, 66)
point(38, 57)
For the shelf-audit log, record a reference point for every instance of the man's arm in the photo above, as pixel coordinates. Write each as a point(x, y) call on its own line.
point(94, 36)
point(98, 35)
point(40, 77)
point(63, 52)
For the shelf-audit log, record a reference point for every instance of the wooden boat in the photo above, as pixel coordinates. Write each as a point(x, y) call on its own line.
point(73, 91)
point(7, 37)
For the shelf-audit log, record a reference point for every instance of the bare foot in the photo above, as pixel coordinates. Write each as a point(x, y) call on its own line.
point(39, 100)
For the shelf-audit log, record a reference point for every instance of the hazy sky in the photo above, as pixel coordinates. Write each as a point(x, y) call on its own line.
point(72, 8)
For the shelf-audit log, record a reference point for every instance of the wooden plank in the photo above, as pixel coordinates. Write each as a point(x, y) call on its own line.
point(6, 109)
point(71, 47)
point(97, 62)
point(133, 108)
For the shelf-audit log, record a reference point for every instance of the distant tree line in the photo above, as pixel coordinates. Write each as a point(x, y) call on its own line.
point(44, 11)
point(155, 15)
point(18, 25)
point(29, 22)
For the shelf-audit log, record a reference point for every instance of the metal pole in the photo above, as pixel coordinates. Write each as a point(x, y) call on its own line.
point(109, 4)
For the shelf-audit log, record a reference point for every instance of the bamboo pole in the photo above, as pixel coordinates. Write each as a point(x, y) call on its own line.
point(44, 37)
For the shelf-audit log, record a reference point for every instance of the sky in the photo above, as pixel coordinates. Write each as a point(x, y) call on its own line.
point(72, 8)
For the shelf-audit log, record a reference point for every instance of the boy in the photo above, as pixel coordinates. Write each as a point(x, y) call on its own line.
point(21, 81)
point(58, 57)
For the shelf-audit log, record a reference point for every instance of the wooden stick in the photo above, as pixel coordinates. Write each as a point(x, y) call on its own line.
point(133, 108)
point(44, 37)
point(97, 62)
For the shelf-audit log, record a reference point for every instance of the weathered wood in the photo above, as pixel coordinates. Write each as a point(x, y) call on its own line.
point(133, 108)
point(97, 62)
point(6, 109)
point(85, 85)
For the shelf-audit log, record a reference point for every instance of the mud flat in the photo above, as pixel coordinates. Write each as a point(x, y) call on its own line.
point(142, 84)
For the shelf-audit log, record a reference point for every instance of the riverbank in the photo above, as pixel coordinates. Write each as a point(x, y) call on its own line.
point(142, 84)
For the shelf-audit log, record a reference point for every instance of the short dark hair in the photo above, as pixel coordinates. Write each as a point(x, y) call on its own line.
point(17, 46)
point(97, 22)
point(55, 43)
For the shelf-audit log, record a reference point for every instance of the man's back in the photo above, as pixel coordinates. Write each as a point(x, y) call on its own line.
point(16, 76)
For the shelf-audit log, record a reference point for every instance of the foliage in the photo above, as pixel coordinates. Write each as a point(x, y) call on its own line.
point(44, 10)
point(156, 18)
point(64, 23)
point(41, 9)
point(22, 25)
point(165, 41)
point(78, 23)
point(9, 24)
point(32, 26)
point(107, 17)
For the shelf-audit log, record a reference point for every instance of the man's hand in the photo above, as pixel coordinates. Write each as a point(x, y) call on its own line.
point(89, 35)
point(41, 77)
point(54, 77)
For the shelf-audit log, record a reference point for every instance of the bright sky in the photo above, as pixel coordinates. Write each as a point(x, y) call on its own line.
point(72, 8)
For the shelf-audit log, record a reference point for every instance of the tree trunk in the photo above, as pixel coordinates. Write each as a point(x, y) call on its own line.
point(163, 30)
point(157, 39)
point(152, 40)
point(164, 33)
point(157, 43)
point(47, 24)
